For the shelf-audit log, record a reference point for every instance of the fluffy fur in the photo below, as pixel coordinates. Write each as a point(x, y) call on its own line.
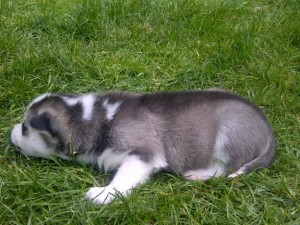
point(198, 135)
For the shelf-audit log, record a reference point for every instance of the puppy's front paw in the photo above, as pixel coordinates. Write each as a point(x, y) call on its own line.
point(101, 195)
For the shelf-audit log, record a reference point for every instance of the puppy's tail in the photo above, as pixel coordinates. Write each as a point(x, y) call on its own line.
point(262, 161)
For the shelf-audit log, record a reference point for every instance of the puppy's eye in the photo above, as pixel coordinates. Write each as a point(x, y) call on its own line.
point(24, 129)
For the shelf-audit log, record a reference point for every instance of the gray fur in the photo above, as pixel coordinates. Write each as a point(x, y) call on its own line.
point(190, 130)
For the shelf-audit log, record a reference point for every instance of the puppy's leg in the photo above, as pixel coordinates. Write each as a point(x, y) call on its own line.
point(133, 171)
point(216, 169)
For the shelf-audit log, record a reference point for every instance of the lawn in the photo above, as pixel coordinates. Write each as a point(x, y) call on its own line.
point(79, 46)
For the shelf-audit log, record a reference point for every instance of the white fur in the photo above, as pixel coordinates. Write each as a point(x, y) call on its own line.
point(32, 144)
point(237, 173)
point(111, 109)
point(110, 160)
point(159, 162)
point(71, 101)
point(132, 172)
point(87, 101)
point(215, 170)
point(40, 98)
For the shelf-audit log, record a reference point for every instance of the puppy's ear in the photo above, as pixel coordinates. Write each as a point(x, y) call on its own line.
point(43, 124)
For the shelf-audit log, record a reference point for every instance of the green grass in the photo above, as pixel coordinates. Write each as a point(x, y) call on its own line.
point(250, 47)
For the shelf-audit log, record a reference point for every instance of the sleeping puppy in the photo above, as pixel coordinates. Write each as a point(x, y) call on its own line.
point(197, 134)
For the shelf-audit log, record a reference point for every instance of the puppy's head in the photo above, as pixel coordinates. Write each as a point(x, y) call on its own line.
point(44, 130)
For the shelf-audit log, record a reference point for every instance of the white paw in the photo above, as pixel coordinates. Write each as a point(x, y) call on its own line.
point(101, 195)
point(238, 173)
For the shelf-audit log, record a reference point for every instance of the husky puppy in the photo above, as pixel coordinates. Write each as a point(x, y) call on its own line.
point(197, 134)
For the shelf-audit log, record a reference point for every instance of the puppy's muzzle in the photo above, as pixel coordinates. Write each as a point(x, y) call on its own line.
point(16, 132)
